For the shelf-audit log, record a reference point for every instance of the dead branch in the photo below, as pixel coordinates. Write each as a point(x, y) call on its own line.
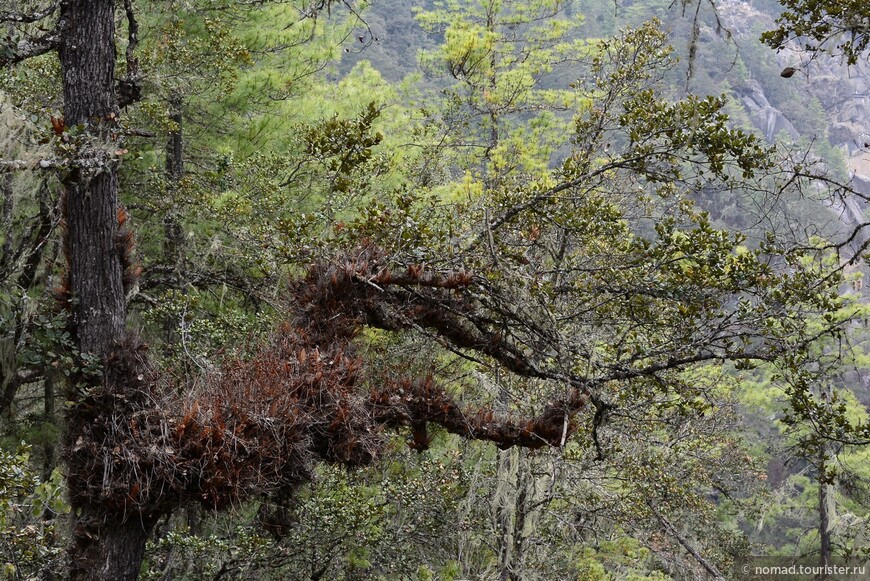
point(22, 18)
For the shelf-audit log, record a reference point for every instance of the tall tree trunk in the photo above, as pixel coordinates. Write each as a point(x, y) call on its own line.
point(824, 497)
point(173, 250)
point(824, 516)
point(88, 66)
point(173, 243)
point(175, 143)
point(106, 544)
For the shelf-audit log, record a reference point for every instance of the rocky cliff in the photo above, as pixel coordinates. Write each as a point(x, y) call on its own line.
point(843, 92)
point(834, 102)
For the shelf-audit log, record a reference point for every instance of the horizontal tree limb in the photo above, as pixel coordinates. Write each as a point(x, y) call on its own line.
point(99, 159)
point(27, 49)
point(22, 18)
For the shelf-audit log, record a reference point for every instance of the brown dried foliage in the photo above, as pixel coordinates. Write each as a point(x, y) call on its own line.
point(414, 403)
point(259, 426)
point(125, 246)
point(256, 428)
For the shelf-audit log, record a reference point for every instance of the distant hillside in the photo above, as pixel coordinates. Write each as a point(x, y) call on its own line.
point(825, 105)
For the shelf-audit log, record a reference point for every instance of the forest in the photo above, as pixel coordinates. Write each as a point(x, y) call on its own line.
point(440, 290)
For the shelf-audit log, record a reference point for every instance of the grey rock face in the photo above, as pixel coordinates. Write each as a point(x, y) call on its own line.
point(764, 116)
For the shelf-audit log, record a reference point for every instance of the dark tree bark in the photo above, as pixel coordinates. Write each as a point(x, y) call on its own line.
point(116, 554)
point(175, 143)
point(87, 57)
point(106, 544)
point(174, 243)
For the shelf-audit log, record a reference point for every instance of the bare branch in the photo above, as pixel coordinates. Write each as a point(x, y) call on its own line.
point(20, 18)
point(13, 165)
point(100, 158)
point(27, 49)
point(710, 567)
